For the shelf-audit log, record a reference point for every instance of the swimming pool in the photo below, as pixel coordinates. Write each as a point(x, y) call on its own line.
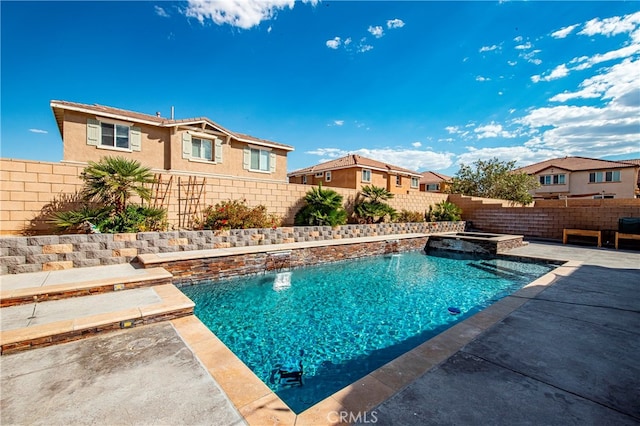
point(343, 320)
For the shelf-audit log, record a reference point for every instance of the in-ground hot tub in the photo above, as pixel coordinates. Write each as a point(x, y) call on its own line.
point(474, 242)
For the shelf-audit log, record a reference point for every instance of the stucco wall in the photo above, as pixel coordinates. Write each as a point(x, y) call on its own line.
point(75, 146)
point(577, 183)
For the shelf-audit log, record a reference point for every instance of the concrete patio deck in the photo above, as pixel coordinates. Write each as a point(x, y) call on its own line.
point(566, 355)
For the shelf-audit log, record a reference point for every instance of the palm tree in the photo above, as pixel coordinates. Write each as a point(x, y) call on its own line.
point(113, 180)
point(376, 194)
point(373, 208)
point(323, 207)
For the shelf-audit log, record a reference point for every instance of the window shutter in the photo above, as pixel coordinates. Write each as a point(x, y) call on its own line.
point(218, 151)
point(272, 161)
point(135, 139)
point(93, 132)
point(186, 145)
point(246, 159)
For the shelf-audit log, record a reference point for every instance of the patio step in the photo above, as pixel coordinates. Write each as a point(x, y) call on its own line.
point(50, 322)
point(44, 286)
point(47, 308)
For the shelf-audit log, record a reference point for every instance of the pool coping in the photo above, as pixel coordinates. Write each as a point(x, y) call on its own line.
point(259, 405)
point(155, 258)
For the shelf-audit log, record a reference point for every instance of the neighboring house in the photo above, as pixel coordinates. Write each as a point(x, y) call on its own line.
point(355, 171)
point(585, 177)
point(199, 145)
point(434, 182)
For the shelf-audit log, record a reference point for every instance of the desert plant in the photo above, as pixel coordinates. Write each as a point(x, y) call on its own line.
point(113, 180)
point(372, 208)
point(236, 214)
point(323, 208)
point(444, 212)
point(407, 216)
point(132, 219)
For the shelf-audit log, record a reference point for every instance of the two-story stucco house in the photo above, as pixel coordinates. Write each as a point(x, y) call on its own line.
point(585, 177)
point(434, 182)
point(198, 145)
point(355, 171)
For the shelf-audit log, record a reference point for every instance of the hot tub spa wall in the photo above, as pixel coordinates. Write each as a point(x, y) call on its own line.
point(54, 252)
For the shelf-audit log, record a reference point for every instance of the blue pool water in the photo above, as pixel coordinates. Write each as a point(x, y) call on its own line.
point(343, 320)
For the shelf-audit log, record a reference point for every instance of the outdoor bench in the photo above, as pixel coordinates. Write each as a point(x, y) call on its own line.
point(582, 233)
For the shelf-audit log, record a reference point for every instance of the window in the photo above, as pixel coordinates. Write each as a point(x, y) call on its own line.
point(415, 182)
point(259, 160)
point(433, 187)
point(398, 180)
point(109, 134)
point(608, 176)
point(600, 197)
point(304, 179)
point(201, 148)
point(328, 177)
point(114, 135)
point(319, 174)
point(366, 175)
point(552, 179)
point(198, 147)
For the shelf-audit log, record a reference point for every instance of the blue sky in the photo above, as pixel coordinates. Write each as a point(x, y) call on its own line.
point(421, 84)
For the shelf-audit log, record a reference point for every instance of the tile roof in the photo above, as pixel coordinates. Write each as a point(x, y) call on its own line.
point(574, 164)
point(433, 177)
point(150, 119)
point(352, 160)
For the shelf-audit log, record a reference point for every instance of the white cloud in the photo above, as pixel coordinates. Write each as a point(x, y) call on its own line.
point(518, 39)
point(611, 26)
point(512, 63)
point(160, 11)
point(492, 130)
point(376, 31)
point(338, 122)
point(347, 41)
point(38, 131)
point(269, 29)
point(395, 23)
point(564, 32)
point(364, 48)
point(243, 14)
point(334, 43)
point(489, 48)
point(522, 155)
point(481, 78)
point(416, 144)
point(525, 46)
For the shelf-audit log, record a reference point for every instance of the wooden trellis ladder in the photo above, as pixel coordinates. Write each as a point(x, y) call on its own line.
point(161, 191)
point(190, 191)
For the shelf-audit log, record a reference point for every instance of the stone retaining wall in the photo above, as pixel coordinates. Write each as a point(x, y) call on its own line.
point(55, 252)
point(188, 272)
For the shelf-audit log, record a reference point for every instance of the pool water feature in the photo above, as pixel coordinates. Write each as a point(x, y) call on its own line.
point(345, 319)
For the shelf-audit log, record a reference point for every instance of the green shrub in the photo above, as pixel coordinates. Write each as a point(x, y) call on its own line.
point(234, 214)
point(407, 216)
point(444, 212)
point(323, 208)
point(133, 219)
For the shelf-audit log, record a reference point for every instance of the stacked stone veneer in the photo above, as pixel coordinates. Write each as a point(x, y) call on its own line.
point(54, 252)
point(476, 245)
point(192, 271)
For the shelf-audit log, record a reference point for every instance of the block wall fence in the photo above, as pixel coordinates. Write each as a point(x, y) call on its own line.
point(548, 218)
point(31, 189)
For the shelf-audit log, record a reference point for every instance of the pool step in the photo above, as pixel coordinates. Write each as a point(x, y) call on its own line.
point(58, 321)
point(45, 286)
